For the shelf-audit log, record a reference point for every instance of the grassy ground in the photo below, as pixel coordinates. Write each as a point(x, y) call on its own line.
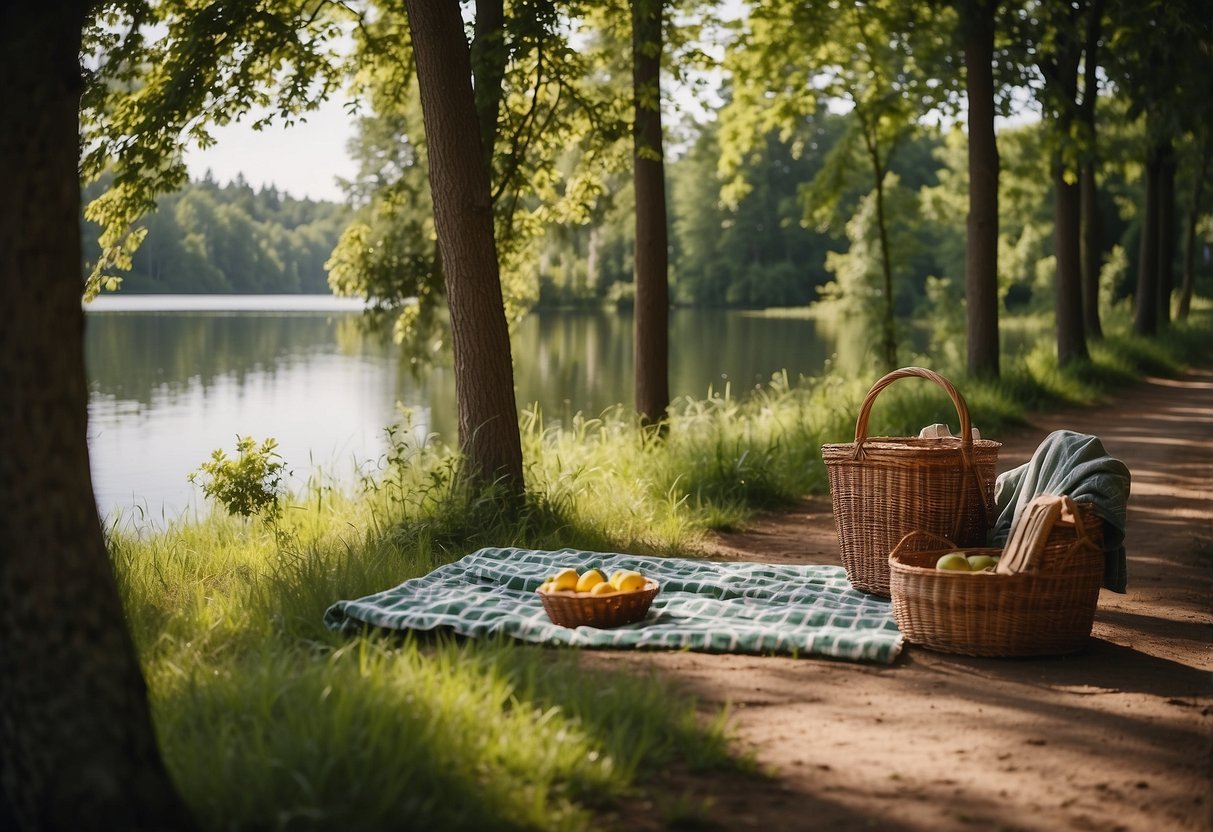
point(268, 720)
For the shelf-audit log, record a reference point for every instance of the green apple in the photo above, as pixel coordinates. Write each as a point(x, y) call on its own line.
point(955, 561)
point(978, 563)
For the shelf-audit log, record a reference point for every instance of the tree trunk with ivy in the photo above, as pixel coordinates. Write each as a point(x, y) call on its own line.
point(79, 749)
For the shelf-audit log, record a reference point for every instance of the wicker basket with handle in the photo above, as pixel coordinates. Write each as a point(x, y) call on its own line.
point(1045, 608)
point(885, 487)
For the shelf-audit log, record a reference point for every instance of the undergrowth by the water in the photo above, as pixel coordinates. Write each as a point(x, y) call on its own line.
point(270, 721)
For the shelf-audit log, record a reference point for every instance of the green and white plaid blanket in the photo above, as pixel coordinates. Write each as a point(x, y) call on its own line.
point(707, 606)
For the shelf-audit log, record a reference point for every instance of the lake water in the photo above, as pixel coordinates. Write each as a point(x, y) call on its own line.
point(173, 378)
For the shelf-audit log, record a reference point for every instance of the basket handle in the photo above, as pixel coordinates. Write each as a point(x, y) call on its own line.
point(966, 431)
point(931, 537)
point(1031, 533)
point(865, 410)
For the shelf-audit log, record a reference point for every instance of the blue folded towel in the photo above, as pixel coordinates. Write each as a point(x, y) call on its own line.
point(1073, 465)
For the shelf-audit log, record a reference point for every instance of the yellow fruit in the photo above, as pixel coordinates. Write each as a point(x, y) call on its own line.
point(955, 561)
point(603, 588)
point(546, 586)
point(564, 579)
point(630, 582)
point(589, 580)
point(980, 563)
point(620, 575)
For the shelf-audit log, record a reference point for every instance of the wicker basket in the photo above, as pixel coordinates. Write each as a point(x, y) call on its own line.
point(1046, 610)
point(882, 488)
point(571, 609)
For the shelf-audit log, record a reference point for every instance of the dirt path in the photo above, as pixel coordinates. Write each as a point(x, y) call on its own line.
point(1117, 737)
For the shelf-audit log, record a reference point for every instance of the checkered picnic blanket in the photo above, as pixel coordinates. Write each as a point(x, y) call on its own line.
point(707, 606)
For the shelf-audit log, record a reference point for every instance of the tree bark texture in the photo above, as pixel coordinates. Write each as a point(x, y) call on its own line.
point(1092, 261)
point(652, 303)
point(981, 240)
point(77, 747)
point(1166, 232)
point(1071, 340)
point(463, 217)
point(1189, 275)
point(1145, 302)
point(1092, 242)
point(1059, 65)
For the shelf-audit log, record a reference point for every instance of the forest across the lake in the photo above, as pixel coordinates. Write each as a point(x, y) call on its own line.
point(761, 251)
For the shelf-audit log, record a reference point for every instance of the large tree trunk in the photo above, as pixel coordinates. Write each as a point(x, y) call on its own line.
point(77, 748)
point(1092, 243)
point(981, 240)
point(1166, 231)
point(1061, 77)
point(652, 305)
point(1071, 340)
point(1189, 278)
point(463, 218)
point(1145, 307)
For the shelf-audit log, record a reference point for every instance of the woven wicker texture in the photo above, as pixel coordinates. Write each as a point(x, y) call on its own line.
point(1047, 609)
point(883, 488)
point(569, 609)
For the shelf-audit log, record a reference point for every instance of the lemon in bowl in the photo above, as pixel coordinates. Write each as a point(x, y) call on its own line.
point(565, 579)
point(590, 579)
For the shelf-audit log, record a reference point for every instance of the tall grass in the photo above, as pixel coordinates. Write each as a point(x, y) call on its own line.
point(270, 721)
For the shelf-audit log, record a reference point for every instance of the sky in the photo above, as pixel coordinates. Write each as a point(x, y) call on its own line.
point(304, 160)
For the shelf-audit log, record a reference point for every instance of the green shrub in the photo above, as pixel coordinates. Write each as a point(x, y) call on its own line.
point(249, 485)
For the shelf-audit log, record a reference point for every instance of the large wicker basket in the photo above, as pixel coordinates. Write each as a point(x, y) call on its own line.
point(883, 488)
point(572, 609)
point(1048, 609)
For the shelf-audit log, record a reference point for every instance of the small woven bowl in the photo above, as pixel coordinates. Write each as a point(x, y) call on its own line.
point(569, 609)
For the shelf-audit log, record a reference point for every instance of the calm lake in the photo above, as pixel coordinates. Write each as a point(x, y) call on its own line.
point(173, 378)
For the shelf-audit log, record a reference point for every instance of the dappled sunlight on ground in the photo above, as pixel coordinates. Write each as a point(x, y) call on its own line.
point(1116, 737)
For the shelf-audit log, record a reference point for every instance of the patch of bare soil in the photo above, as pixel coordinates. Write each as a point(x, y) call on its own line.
point(1116, 737)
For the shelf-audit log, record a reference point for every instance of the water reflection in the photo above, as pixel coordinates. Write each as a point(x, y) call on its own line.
point(168, 387)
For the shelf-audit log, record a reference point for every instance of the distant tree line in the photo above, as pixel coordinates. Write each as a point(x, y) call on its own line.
point(210, 238)
point(765, 249)
point(761, 250)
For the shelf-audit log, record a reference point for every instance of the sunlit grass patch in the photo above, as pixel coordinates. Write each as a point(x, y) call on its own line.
point(718, 460)
point(760, 451)
point(390, 733)
point(269, 720)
